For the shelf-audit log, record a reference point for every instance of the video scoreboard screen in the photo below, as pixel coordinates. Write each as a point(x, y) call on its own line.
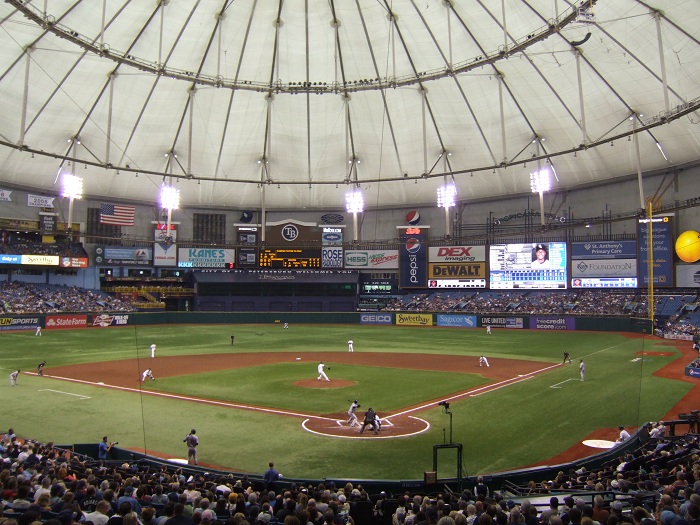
point(527, 266)
point(290, 258)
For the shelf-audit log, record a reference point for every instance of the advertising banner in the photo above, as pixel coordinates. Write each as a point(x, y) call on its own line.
point(462, 321)
point(331, 257)
point(457, 254)
point(662, 250)
point(379, 259)
point(18, 323)
point(105, 320)
point(414, 319)
point(247, 258)
point(413, 258)
point(65, 322)
point(376, 319)
point(503, 322)
point(40, 260)
point(604, 268)
point(552, 323)
point(10, 258)
point(604, 250)
point(164, 254)
point(74, 262)
point(457, 271)
point(331, 236)
point(108, 256)
point(203, 257)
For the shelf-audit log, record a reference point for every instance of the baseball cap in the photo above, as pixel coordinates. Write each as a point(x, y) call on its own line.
point(540, 247)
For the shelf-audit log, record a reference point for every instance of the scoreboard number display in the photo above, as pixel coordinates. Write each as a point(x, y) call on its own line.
point(290, 258)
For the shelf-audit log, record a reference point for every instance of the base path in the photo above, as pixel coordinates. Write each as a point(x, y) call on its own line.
point(127, 375)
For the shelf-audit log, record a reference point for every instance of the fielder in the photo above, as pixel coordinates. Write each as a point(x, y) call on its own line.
point(483, 361)
point(350, 348)
point(321, 372)
point(38, 331)
point(13, 377)
point(488, 329)
point(153, 350)
point(147, 374)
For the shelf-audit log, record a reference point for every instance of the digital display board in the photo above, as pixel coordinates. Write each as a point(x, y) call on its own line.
point(290, 258)
point(528, 266)
point(604, 264)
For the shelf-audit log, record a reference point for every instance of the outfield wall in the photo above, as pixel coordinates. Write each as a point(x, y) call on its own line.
point(520, 322)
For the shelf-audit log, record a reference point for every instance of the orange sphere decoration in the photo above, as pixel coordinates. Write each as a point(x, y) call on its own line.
point(688, 246)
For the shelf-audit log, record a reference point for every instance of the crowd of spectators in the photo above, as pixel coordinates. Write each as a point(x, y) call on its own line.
point(657, 484)
point(17, 297)
point(570, 302)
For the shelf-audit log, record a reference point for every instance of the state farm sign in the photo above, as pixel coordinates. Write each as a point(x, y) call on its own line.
point(63, 322)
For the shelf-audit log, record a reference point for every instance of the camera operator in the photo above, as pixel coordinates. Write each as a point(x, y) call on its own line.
point(104, 448)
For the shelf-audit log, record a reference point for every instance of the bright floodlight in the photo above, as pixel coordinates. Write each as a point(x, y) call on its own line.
point(446, 196)
point(170, 198)
point(72, 186)
point(354, 202)
point(540, 180)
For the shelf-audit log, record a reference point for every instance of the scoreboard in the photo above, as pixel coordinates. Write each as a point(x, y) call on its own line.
point(290, 258)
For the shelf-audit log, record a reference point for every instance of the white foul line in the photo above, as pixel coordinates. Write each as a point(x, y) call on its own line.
point(556, 385)
point(64, 393)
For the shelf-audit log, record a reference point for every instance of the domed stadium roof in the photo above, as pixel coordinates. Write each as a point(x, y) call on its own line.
point(287, 105)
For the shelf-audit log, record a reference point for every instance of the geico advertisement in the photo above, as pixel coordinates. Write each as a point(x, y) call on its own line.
point(415, 319)
point(375, 319)
point(457, 271)
point(457, 254)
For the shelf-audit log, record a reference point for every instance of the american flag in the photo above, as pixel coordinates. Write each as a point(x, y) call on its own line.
point(117, 214)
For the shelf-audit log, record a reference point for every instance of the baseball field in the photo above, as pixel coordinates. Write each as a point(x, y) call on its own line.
point(259, 400)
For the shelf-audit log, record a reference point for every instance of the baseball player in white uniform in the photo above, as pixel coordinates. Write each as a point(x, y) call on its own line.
point(153, 350)
point(350, 348)
point(483, 361)
point(352, 418)
point(488, 329)
point(321, 372)
point(148, 373)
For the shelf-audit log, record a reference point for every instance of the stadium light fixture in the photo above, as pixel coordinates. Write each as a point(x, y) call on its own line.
point(354, 203)
point(541, 181)
point(446, 198)
point(170, 200)
point(73, 189)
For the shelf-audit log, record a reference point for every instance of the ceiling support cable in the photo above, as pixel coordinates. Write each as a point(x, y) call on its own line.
point(638, 160)
point(227, 118)
point(309, 176)
point(501, 109)
point(505, 26)
point(581, 100)
point(102, 25)
point(25, 98)
point(193, 92)
point(662, 60)
point(161, 5)
point(448, 10)
point(423, 95)
point(110, 113)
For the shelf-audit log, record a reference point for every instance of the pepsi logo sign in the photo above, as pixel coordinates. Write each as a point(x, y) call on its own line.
point(413, 217)
point(412, 245)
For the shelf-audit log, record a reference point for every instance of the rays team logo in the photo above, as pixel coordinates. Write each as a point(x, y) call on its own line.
point(412, 245)
point(413, 217)
point(290, 232)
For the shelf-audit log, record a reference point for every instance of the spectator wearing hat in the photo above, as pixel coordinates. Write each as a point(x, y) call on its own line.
point(553, 510)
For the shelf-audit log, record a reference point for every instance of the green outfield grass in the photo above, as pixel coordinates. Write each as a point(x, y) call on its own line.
point(515, 426)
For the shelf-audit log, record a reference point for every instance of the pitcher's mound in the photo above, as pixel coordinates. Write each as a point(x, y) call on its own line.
point(314, 383)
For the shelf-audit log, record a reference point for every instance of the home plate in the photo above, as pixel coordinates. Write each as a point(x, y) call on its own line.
point(598, 443)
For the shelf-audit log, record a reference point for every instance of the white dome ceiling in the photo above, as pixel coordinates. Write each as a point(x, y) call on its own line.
point(288, 104)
